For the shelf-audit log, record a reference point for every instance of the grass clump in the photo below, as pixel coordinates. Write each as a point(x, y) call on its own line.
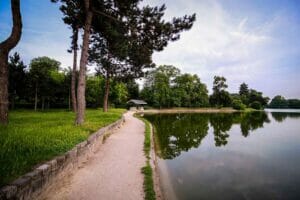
point(147, 170)
point(147, 141)
point(148, 182)
point(34, 137)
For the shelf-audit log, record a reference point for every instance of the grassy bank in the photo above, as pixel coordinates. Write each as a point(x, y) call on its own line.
point(147, 170)
point(34, 137)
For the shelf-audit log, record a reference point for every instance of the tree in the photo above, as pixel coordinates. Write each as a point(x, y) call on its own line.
point(17, 78)
point(94, 91)
point(189, 91)
point(279, 102)
point(238, 104)
point(220, 96)
point(119, 93)
point(123, 47)
point(244, 93)
point(257, 96)
point(157, 88)
point(294, 103)
point(44, 72)
point(133, 89)
point(5, 47)
point(244, 89)
point(73, 16)
point(256, 105)
point(81, 103)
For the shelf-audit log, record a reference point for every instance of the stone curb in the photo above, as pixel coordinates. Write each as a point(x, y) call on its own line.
point(31, 185)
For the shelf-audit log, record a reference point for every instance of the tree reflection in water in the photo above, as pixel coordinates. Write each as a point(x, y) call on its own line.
point(175, 133)
point(281, 116)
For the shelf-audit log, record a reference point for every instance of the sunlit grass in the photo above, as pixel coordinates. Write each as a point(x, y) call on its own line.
point(34, 137)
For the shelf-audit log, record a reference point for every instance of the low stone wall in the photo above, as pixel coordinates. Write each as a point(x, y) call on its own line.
point(32, 184)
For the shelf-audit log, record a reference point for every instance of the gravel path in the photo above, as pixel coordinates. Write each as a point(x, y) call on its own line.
point(114, 172)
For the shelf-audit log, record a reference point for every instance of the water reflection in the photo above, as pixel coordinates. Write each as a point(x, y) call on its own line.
point(251, 121)
point(176, 133)
point(281, 116)
point(233, 156)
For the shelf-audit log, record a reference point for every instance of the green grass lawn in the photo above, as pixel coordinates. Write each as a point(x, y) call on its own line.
point(33, 137)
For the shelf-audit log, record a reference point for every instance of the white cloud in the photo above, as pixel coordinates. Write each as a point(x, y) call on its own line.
point(219, 44)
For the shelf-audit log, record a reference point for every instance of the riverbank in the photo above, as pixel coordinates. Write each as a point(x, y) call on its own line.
point(191, 110)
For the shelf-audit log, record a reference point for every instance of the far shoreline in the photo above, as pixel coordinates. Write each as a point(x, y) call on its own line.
point(191, 110)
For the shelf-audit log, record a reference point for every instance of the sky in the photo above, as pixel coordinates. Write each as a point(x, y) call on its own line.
point(252, 41)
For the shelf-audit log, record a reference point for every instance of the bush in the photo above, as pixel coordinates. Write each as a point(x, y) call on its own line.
point(238, 105)
point(256, 105)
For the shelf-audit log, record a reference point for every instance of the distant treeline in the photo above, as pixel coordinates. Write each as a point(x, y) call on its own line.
point(166, 87)
point(43, 84)
point(280, 102)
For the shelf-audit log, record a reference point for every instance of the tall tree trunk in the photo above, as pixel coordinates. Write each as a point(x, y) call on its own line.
point(5, 48)
point(106, 93)
point(73, 81)
point(69, 99)
point(83, 62)
point(36, 97)
point(3, 87)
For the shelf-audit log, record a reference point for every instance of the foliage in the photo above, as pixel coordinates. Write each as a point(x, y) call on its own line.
point(238, 105)
point(17, 78)
point(248, 96)
point(189, 90)
point(119, 93)
point(94, 91)
point(244, 89)
point(34, 137)
point(220, 97)
point(294, 103)
point(166, 87)
point(256, 105)
point(44, 77)
point(280, 102)
point(54, 85)
point(257, 96)
point(133, 89)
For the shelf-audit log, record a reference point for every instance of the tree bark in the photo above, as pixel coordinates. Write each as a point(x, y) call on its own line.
point(5, 48)
point(3, 88)
point(83, 62)
point(36, 97)
point(106, 93)
point(69, 99)
point(73, 81)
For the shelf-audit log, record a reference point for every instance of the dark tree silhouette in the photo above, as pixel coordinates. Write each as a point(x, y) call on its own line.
point(5, 47)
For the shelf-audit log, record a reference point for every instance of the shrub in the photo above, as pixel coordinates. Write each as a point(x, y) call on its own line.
point(238, 105)
point(256, 105)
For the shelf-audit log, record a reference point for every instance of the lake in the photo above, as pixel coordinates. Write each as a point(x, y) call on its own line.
point(254, 155)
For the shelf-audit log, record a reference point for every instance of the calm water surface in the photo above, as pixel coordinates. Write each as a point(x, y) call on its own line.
point(229, 156)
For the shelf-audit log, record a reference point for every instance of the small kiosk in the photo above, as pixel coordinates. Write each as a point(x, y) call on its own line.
point(135, 104)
